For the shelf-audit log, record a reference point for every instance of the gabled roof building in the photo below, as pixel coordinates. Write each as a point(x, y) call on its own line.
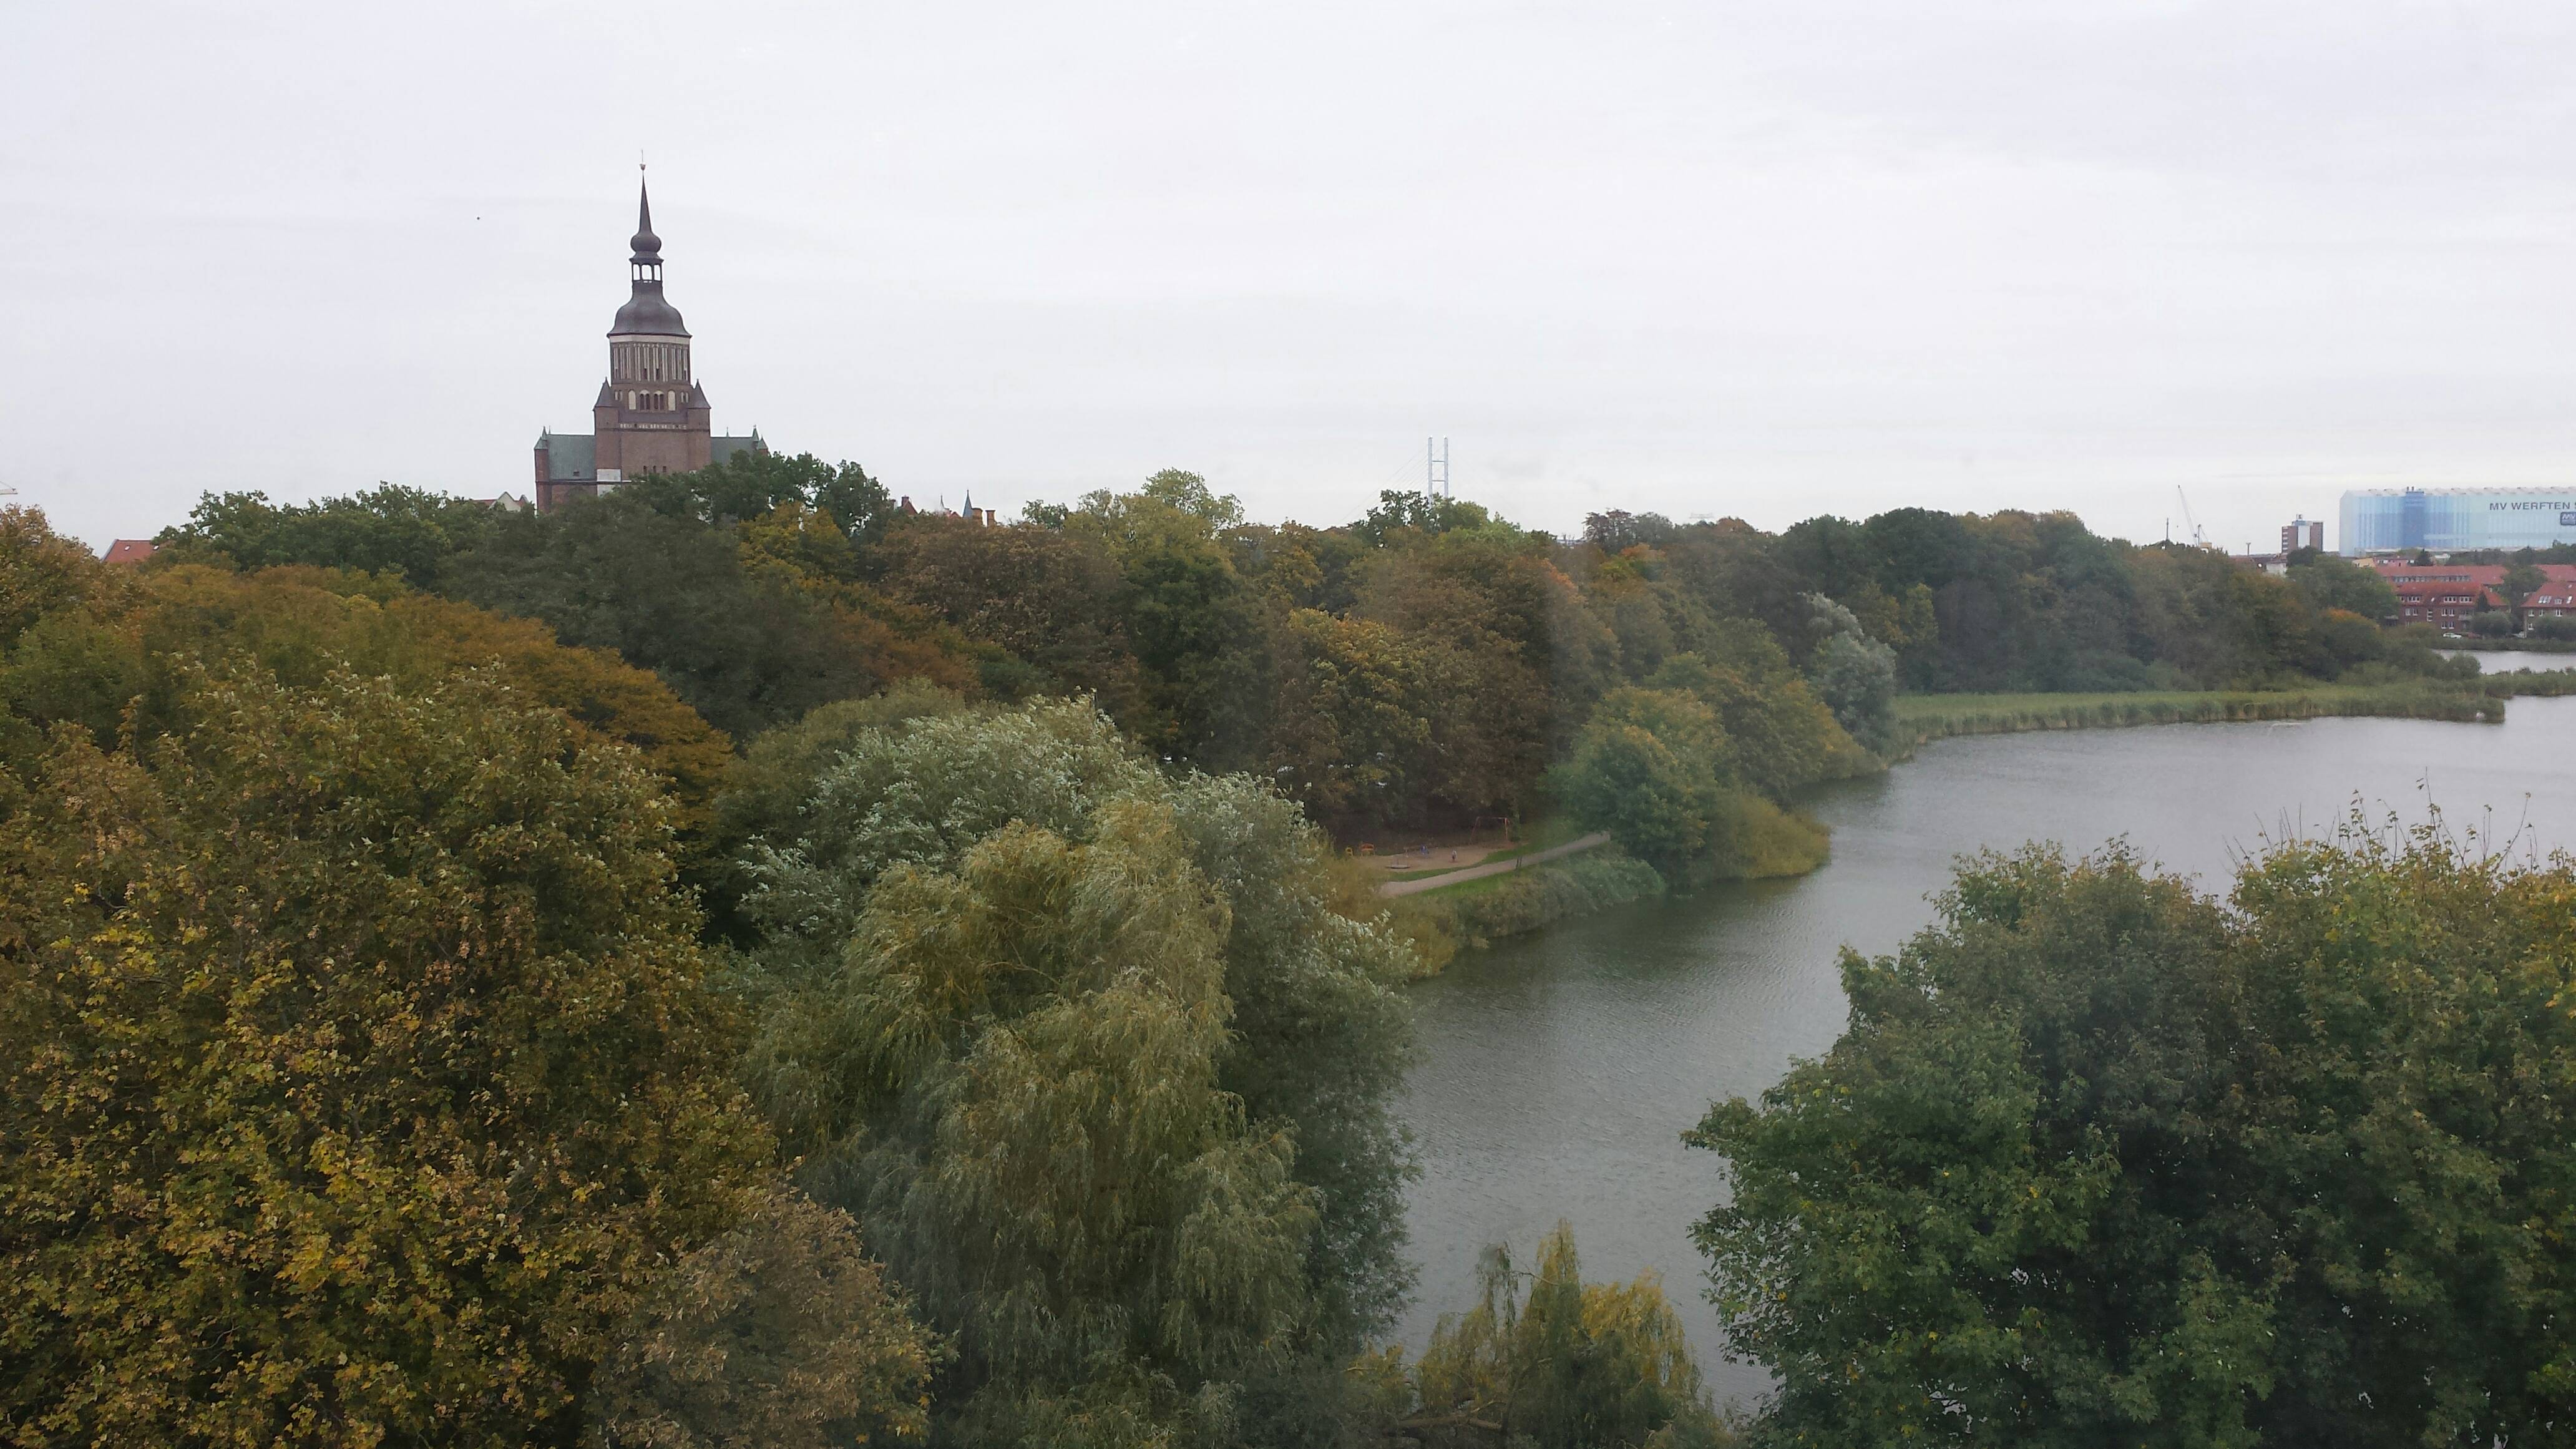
point(2448, 595)
point(652, 414)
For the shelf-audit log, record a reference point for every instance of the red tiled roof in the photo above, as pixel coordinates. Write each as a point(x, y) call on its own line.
point(129, 551)
point(2397, 571)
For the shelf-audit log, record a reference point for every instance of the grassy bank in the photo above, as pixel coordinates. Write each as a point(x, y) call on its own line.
point(1761, 841)
point(1474, 914)
point(1939, 716)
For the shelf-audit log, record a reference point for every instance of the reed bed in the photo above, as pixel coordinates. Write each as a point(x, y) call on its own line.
point(1939, 716)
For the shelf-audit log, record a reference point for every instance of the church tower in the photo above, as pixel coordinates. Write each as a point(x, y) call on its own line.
point(651, 415)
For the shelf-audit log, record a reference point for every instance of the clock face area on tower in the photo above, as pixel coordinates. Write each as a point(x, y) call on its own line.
point(650, 416)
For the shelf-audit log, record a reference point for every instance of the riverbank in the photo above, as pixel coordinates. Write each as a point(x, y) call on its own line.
point(1928, 717)
point(2517, 646)
point(1473, 908)
point(1447, 916)
point(1555, 1072)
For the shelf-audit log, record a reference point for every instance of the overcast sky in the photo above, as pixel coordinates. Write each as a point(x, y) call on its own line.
point(1709, 259)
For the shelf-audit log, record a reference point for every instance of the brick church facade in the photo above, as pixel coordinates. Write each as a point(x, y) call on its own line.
point(652, 415)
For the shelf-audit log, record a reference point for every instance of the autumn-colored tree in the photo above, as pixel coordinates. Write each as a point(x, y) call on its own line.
point(1047, 597)
point(1350, 731)
point(42, 572)
point(1477, 605)
point(95, 664)
point(357, 1069)
point(779, 1335)
point(802, 549)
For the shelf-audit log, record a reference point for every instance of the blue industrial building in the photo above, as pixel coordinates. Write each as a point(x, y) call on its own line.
point(2450, 520)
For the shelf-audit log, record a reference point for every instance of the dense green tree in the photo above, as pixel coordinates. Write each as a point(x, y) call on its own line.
point(1619, 530)
point(2520, 582)
point(1479, 607)
point(1930, 1233)
point(386, 529)
point(1407, 511)
point(1779, 736)
point(1650, 768)
point(2409, 1072)
point(1187, 614)
point(1351, 727)
point(802, 552)
point(1855, 676)
point(671, 595)
point(2328, 582)
point(357, 1070)
point(2027, 601)
point(2099, 1161)
point(757, 482)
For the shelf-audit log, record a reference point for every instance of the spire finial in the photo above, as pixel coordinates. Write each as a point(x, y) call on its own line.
point(647, 245)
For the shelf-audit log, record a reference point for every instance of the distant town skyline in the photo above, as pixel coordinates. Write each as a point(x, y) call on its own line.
point(1697, 260)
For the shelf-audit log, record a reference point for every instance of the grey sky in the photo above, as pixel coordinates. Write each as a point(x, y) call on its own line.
point(1764, 260)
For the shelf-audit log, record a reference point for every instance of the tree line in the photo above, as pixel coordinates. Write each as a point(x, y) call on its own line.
point(1426, 663)
point(369, 1071)
point(734, 963)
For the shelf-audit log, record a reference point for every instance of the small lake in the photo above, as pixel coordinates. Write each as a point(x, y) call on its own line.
point(1556, 1073)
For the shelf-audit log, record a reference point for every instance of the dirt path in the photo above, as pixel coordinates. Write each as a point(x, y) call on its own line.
point(1479, 872)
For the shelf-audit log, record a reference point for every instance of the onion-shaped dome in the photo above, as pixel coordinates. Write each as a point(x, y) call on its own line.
point(647, 314)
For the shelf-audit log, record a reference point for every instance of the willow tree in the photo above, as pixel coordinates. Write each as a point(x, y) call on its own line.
point(1546, 1359)
point(1091, 1055)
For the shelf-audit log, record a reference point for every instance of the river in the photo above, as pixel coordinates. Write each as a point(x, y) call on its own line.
point(1556, 1073)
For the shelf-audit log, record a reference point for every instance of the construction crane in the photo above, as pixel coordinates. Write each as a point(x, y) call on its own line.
point(2198, 538)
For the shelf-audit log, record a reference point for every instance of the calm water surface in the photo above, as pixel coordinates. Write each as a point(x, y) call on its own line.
point(2505, 661)
point(1556, 1073)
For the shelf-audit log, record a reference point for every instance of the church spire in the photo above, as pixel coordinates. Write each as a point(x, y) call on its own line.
point(648, 247)
point(645, 311)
